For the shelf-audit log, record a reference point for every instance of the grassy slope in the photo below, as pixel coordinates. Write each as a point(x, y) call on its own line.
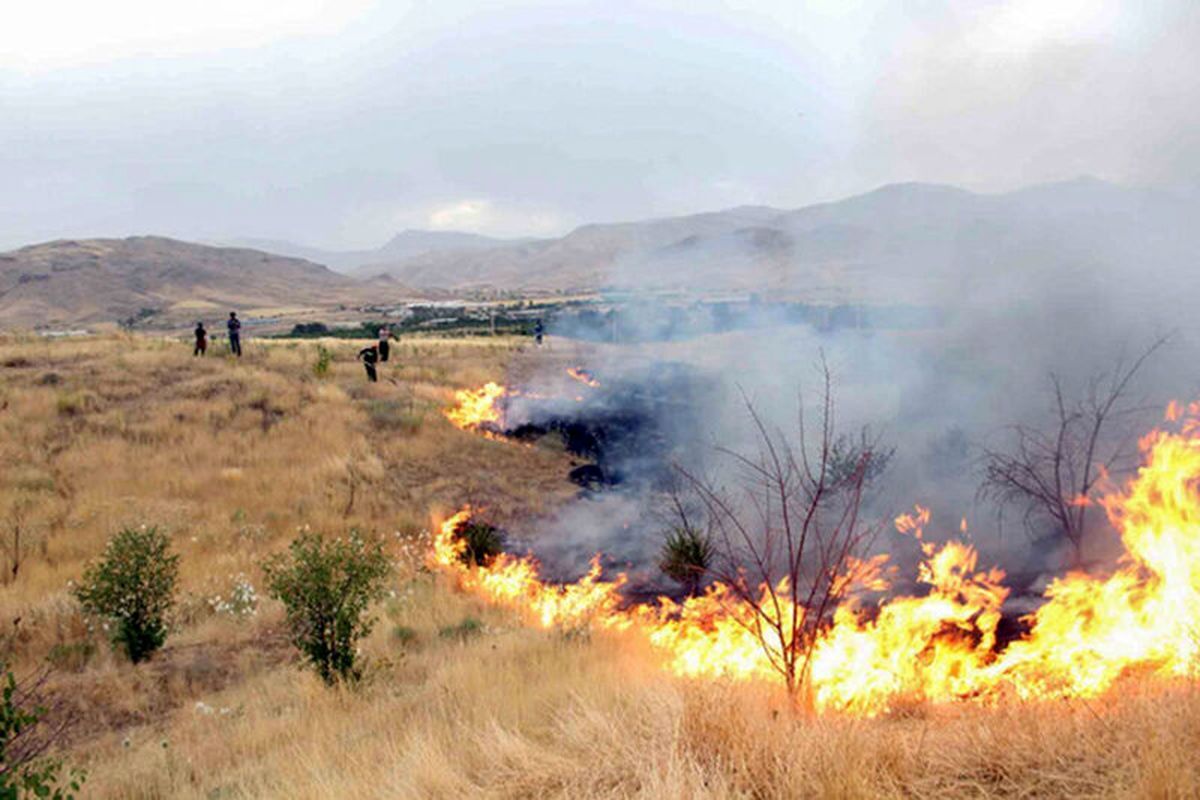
point(233, 457)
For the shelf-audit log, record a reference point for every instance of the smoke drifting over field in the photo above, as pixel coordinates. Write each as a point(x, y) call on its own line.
point(1065, 294)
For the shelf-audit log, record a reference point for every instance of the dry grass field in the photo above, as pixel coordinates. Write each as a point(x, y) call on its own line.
point(233, 457)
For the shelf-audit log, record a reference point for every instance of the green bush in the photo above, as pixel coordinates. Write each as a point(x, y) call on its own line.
point(133, 586)
point(686, 556)
point(324, 359)
point(484, 542)
point(467, 629)
point(404, 635)
point(326, 588)
point(24, 771)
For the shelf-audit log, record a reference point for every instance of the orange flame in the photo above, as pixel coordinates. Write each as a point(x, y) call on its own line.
point(477, 410)
point(938, 647)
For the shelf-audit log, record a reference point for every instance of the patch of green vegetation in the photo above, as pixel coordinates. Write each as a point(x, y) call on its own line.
point(324, 359)
point(133, 587)
point(443, 321)
point(484, 542)
point(686, 557)
point(326, 586)
point(469, 628)
point(24, 770)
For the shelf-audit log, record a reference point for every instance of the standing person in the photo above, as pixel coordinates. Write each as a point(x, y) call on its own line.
point(369, 355)
point(538, 332)
point(201, 340)
point(235, 334)
point(385, 336)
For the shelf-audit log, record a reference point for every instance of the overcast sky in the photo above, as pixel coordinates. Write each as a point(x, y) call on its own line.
point(336, 123)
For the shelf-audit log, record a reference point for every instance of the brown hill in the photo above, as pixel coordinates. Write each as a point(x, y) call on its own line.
point(901, 243)
point(585, 258)
point(97, 280)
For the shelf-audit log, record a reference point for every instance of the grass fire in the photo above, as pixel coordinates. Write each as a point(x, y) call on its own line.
point(939, 646)
point(602, 637)
point(517, 400)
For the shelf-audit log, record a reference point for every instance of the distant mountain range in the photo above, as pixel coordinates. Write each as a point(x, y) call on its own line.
point(404, 245)
point(101, 280)
point(901, 243)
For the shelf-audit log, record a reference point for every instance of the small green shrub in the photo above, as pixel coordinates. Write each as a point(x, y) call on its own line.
point(404, 634)
point(324, 359)
point(686, 557)
point(133, 586)
point(24, 771)
point(467, 629)
point(484, 542)
point(326, 588)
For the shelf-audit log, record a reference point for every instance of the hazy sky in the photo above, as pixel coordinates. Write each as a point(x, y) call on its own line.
point(338, 122)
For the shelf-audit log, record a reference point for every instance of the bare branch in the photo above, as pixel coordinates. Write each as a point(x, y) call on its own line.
point(1053, 473)
point(787, 533)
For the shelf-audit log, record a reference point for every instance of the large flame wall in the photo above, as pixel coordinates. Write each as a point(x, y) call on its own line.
point(941, 646)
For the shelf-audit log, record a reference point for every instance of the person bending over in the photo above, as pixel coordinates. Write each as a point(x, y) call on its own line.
point(369, 355)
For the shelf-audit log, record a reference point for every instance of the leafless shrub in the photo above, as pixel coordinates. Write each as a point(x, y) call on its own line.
point(789, 532)
point(1052, 471)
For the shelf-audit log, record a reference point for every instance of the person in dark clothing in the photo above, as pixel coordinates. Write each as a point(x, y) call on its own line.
point(369, 356)
point(538, 331)
point(201, 340)
point(235, 334)
point(385, 337)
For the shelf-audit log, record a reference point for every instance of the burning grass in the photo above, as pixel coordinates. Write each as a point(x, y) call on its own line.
point(937, 647)
point(497, 708)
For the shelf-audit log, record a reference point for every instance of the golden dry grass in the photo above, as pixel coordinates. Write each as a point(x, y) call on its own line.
point(232, 457)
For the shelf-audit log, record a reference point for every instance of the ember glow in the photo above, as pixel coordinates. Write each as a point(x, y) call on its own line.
point(941, 646)
point(583, 376)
